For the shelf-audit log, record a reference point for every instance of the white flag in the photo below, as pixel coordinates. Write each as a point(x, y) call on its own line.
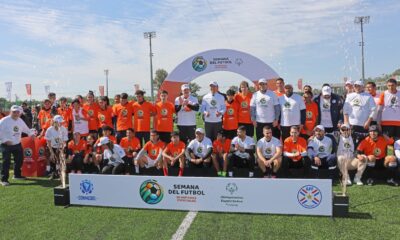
point(8, 90)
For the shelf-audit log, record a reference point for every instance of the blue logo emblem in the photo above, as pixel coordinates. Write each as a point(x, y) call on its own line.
point(151, 192)
point(86, 187)
point(309, 196)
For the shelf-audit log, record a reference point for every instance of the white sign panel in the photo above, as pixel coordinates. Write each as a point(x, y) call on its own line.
point(249, 195)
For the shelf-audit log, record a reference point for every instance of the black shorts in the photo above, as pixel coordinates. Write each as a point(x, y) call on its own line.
point(230, 134)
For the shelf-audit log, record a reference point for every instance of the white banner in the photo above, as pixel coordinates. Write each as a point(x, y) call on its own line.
point(47, 89)
point(249, 195)
point(8, 90)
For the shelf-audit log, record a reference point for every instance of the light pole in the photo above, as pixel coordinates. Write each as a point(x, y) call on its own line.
point(106, 73)
point(362, 20)
point(150, 35)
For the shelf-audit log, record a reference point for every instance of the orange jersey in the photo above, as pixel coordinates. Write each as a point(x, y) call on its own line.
point(174, 150)
point(142, 113)
point(311, 117)
point(244, 112)
point(45, 118)
point(295, 147)
point(105, 117)
point(279, 94)
point(376, 148)
point(153, 150)
point(92, 111)
point(77, 148)
point(65, 113)
point(133, 145)
point(165, 116)
point(124, 116)
point(230, 120)
point(219, 147)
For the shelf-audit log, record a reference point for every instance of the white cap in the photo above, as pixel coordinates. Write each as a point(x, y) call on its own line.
point(58, 118)
point(262, 80)
point(213, 83)
point(326, 90)
point(15, 108)
point(349, 82)
point(103, 141)
point(345, 125)
point(359, 82)
point(185, 86)
point(200, 130)
point(320, 127)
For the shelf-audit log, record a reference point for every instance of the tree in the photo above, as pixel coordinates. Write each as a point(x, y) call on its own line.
point(161, 75)
point(194, 88)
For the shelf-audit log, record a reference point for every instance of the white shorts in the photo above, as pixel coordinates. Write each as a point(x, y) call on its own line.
point(150, 162)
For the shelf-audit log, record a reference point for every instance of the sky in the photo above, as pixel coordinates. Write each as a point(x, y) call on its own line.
point(68, 44)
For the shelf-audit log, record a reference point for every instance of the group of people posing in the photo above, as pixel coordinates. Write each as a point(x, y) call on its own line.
point(359, 131)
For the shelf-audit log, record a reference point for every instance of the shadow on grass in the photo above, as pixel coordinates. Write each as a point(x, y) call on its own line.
point(359, 215)
point(375, 201)
point(38, 182)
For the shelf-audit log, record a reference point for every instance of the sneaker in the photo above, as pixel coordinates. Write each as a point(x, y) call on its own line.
point(392, 182)
point(19, 178)
point(219, 173)
point(5, 183)
point(370, 181)
point(349, 183)
point(358, 181)
point(251, 174)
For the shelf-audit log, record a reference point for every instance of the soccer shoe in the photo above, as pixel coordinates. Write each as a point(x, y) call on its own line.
point(392, 182)
point(349, 183)
point(219, 173)
point(358, 181)
point(19, 178)
point(251, 174)
point(5, 183)
point(370, 181)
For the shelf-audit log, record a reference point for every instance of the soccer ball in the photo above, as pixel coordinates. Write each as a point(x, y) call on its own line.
point(151, 192)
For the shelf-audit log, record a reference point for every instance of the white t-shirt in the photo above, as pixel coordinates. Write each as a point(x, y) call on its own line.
point(213, 104)
point(186, 116)
point(200, 148)
point(247, 143)
point(80, 125)
point(321, 148)
point(11, 130)
point(345, 147)
point(56, 137)
point(359, 107)
point(391, 107)
point(264, 104)
point(326, 118)
point(290, 109)
point(268, 148)
point(397, 149)
point(115, 157)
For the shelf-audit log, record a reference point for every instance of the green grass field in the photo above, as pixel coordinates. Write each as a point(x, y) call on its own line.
point(27, 212)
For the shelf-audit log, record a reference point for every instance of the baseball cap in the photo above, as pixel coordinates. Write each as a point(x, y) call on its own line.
point(185, 86)
point(15, 108)
point(103, 141)
point(213, 83)
point(326, 90)
point(58, 118)
point(262, 80)
point(359, 82)
point(345, 125)
point(320, 127)
point(349, 82)
point(200, 130)
point(372, 128)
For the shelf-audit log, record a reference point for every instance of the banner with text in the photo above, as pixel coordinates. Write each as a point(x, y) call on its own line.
point(249, 195)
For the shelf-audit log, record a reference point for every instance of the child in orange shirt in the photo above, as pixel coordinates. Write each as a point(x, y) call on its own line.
point(174, 154)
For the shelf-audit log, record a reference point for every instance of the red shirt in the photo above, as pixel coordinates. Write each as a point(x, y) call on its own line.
point(244, 115)
point(174, 150)
point(376, 148)
point(77, 148)
point(230, 120)
point(219, 147)
point(133, 144)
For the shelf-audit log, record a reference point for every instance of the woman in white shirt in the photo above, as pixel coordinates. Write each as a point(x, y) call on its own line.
point(113, 156)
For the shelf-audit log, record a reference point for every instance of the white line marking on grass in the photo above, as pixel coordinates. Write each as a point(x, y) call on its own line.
point(185, 225)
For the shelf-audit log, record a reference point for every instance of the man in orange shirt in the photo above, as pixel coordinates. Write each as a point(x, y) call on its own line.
point(105, 114)
point(131, 146)
point(295, 152)
point(221, 148)
point(230, 118)
point(164, 117)
point(142, 111)
point(124, 112)
point(373, 150)
point(117, 100)
point(243, 98)
point(92, 109)
point(173, 154)
point(311, 115)
point(280, 87)
point(45, 117)
point(151, 153)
